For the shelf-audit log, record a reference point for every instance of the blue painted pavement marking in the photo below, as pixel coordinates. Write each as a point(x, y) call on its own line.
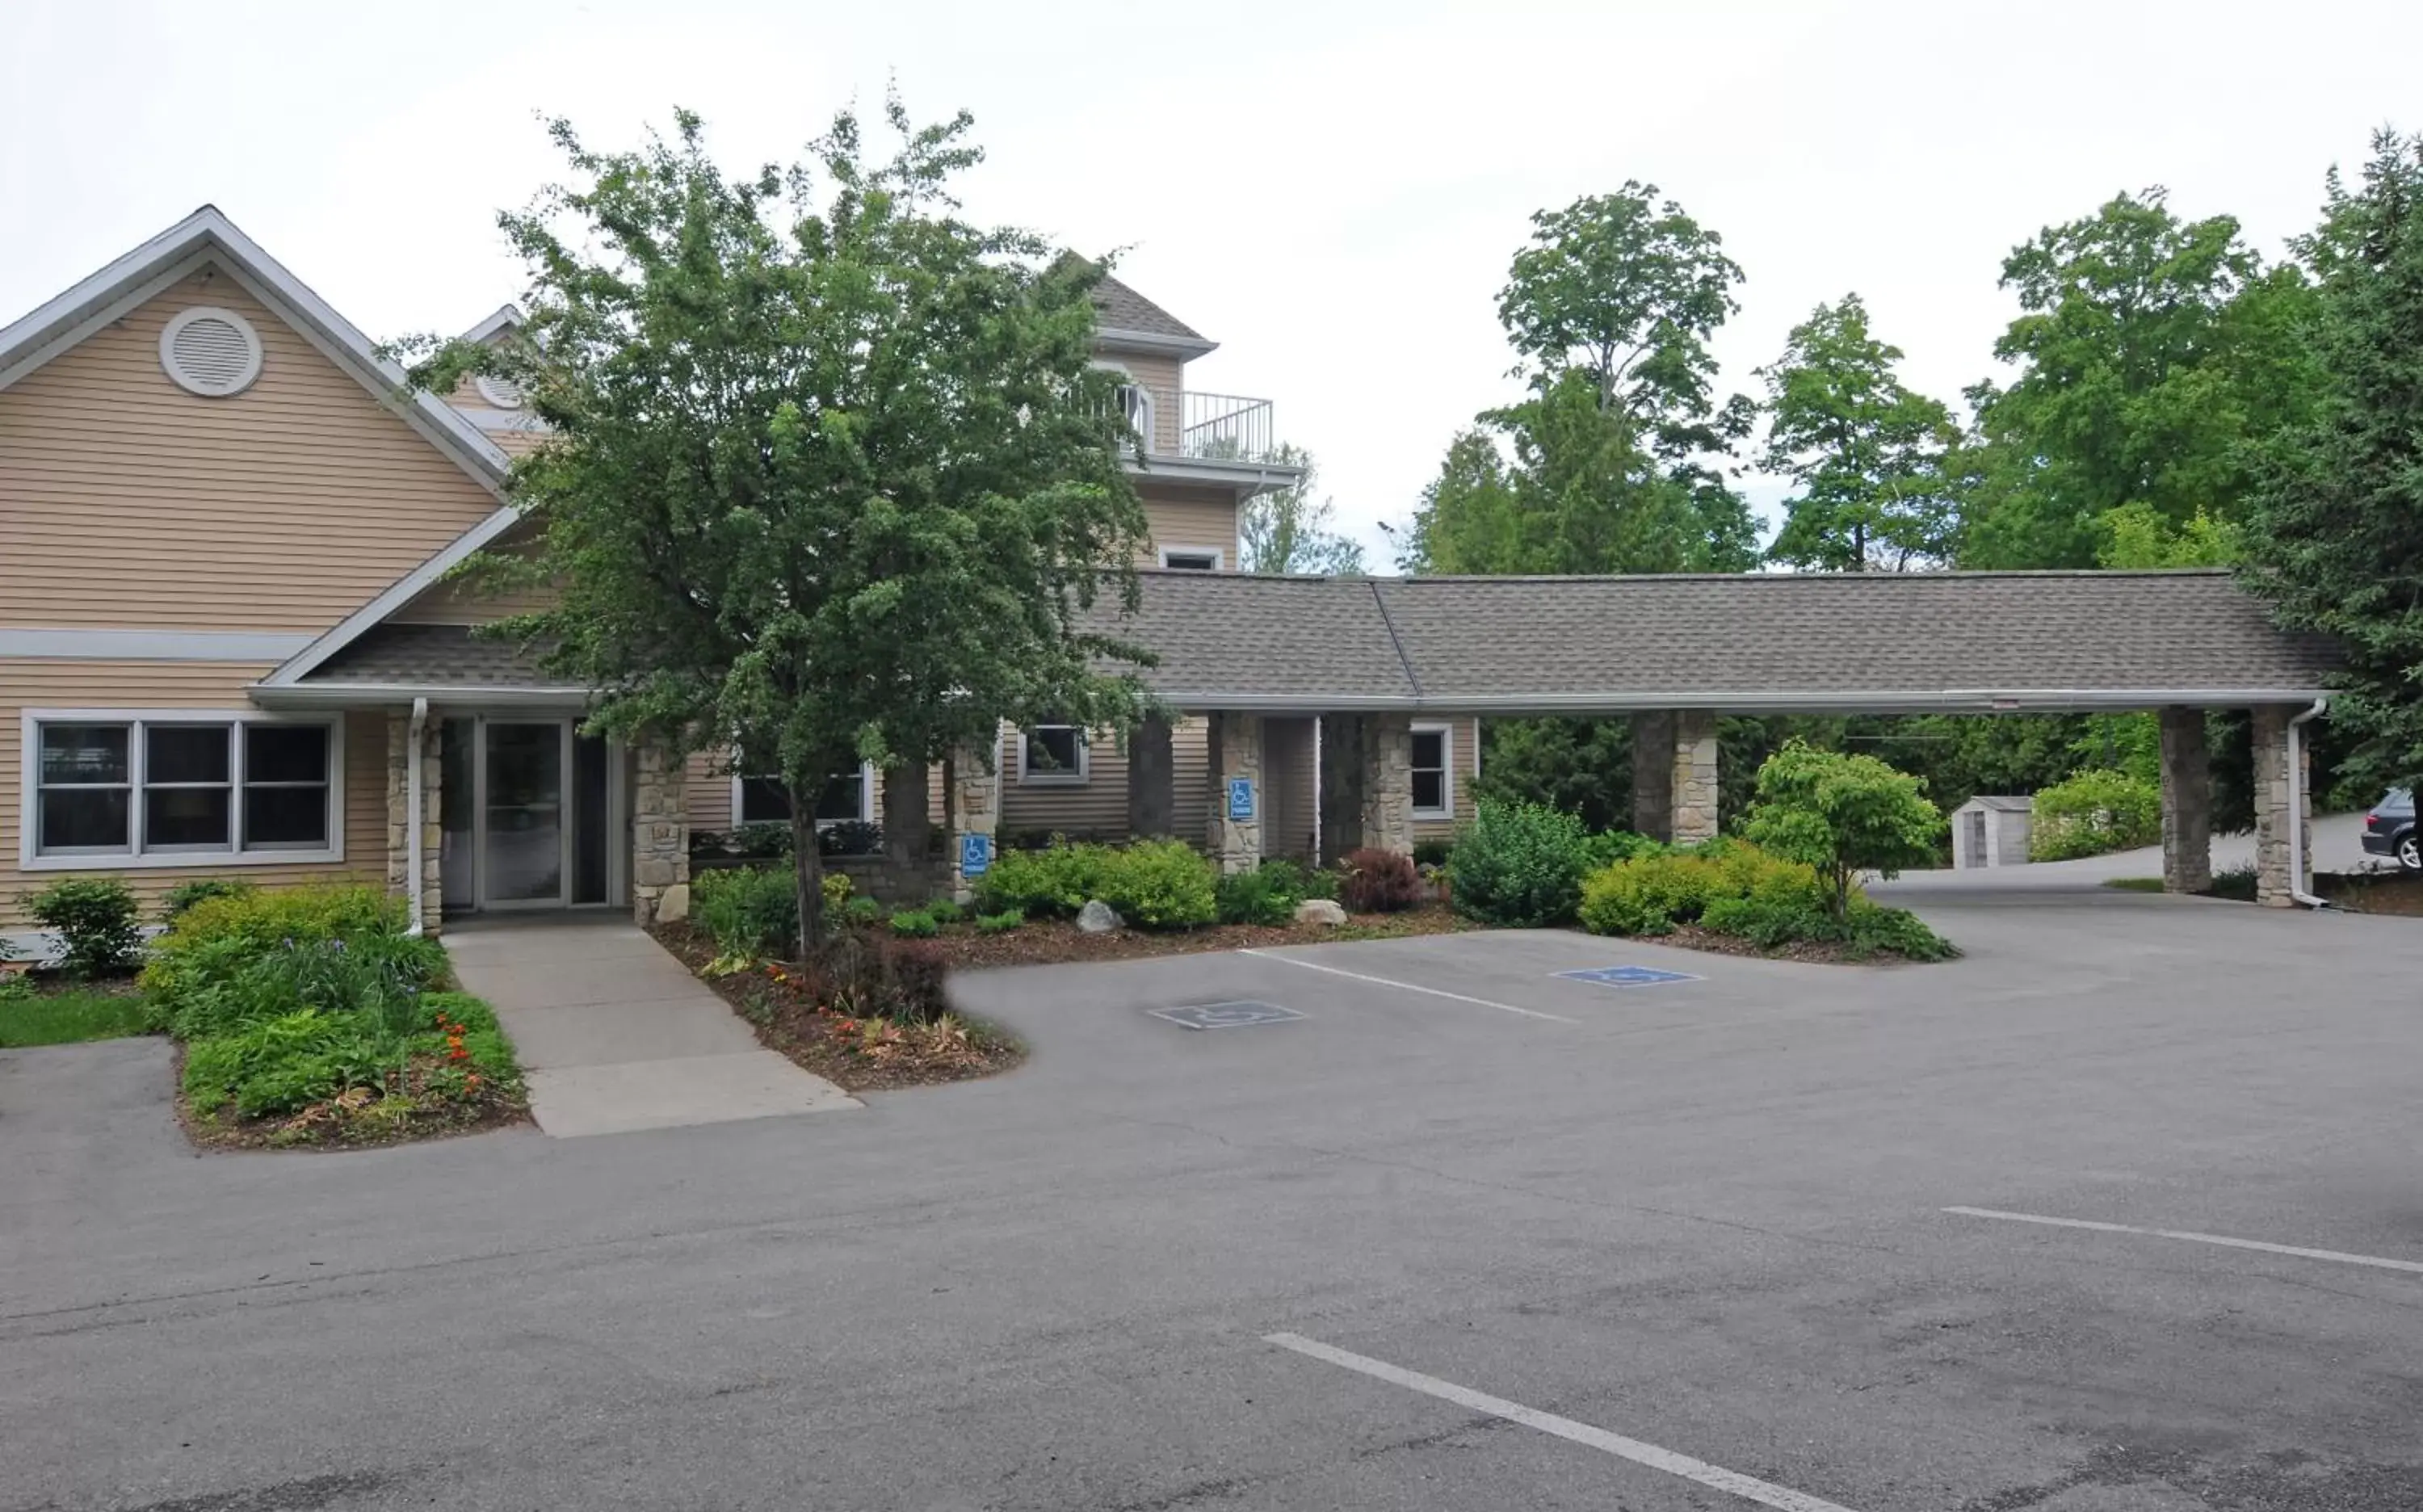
point(1629, 976)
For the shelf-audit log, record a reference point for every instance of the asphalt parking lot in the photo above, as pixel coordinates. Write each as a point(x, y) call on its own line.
point(1461, 1232)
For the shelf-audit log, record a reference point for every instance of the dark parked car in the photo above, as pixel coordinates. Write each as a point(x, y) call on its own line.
point(2389, 830)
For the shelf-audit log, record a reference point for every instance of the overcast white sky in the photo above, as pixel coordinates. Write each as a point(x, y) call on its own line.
point(1332, 191)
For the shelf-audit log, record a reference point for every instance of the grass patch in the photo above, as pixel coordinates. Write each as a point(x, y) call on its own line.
point(68, 1018)
point(2134, 885)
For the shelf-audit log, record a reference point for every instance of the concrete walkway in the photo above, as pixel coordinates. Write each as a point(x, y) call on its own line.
point(616, 1035)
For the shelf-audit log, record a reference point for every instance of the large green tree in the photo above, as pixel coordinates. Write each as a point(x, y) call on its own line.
point(1293, 530)
point(2337, 536)
point(2150, 349)
point(829, 475)
point(1865, 453)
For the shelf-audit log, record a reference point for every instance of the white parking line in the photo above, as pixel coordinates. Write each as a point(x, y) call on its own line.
point(2376, 1262)
point(1409, 987)
point(1750, 1488)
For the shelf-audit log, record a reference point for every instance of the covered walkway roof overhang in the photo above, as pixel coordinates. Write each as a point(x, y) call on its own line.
point(1836, 643)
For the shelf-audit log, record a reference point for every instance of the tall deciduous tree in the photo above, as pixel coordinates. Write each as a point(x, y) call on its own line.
point(830, 476)
point(1293, 530)
point(2150, 349)
point(2337, 538)
point(1866, 453)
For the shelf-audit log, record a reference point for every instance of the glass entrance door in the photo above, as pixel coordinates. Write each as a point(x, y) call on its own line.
point(523, 810)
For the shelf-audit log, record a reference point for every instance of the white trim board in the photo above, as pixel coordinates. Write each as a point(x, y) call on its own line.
point(152, 645)
point(1445, 730)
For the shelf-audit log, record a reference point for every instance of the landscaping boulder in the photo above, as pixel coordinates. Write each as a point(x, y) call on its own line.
point(1098, 918)
point(1320, 910)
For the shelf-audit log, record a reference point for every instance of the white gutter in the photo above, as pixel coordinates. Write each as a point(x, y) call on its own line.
point(1950, 701)
point(2297, 809)
point(412, 814)
point(355, 694)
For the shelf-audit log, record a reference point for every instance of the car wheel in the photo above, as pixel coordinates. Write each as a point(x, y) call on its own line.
point(2409, 851)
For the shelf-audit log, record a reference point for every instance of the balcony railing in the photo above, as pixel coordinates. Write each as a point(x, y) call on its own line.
point(1209, 427)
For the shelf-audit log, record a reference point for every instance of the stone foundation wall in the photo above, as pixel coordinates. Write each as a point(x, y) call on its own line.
point(399, 810)
point(2187, 803)
point(2273, 880)
point(1236, 751)
point(1389, 782)
point(1694, 786)
point(660, 836)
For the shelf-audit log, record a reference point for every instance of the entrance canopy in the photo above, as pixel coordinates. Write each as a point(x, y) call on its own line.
point(1851, 643)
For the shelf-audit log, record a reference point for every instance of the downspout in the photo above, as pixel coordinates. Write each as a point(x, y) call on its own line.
point(412, 778)
point(2297, 809)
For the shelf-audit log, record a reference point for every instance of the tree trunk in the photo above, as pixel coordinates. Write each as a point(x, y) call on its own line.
point(807, 868)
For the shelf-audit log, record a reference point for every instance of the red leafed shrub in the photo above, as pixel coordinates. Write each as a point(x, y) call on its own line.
point(1371, 880)
point(877, 977)
point(916, 968)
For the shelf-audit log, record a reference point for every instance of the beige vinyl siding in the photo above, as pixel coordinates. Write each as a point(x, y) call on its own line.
point(1188, 518)
point(1098, 809)
point(466, 397)
point(1163, 377)
point(1290, 779)
point(127, 501)
point(1463, 752)
point(458, 601)
point(212, 685)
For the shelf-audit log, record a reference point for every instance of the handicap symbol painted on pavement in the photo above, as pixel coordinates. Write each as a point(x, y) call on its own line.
point(1224, 1016)
point(1629, 976)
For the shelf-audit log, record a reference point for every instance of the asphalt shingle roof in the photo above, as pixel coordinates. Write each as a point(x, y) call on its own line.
point(1878, 641)
point(1121, 309)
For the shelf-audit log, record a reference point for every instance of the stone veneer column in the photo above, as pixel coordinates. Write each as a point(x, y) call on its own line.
point(399, 813)
point(1236, 751)
point(975, 809)
point(1694, 789)
point(2187, 803)
point(2272, 881)
point(660, 836)
point(1652, 774)
point(1152, 776)
point(1388, 783)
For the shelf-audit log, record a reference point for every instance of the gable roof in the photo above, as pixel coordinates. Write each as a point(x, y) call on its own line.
point(208, 237)
point(1127, 318)
point(1869, 643)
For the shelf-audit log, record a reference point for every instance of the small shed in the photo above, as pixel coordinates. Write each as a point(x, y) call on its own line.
point(1991, 829)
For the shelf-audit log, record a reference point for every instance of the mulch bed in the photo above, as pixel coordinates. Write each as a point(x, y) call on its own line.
point(1059, 942)
point(1820, 952)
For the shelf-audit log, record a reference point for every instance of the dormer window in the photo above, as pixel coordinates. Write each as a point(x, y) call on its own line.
point(1134, 399)
point(1193, 558)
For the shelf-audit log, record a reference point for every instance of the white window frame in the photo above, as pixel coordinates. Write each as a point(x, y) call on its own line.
point(1445, 732)
point(1219, 556)
point(29, 799)
point(1056, 776)
point(866, 800)
point(1143, 419)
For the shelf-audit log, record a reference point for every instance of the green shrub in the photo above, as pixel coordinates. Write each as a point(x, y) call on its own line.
point(376, 977)
point(96, 921)
point(1647, 896)
point(1433, 852)
point(1001, 923)
point(218, 935)
point(282, 1065)
point(1160, 884)
point(199, 890)
point(749, 912)
point(1374, 881)
point(862, 910)
point(1266, 895)
point(1842, 815)
point(2092, 813)
point(1608, 846)
point(1519, 863)
point(1052, 882)
point(915, 924)
point(946, 911)
point(1874, 930)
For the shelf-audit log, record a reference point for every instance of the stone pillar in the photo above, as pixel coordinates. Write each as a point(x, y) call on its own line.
point(1236, 753)
point(1694, 780)
point(1341, 785)
point(2187, 803)
point(2272, 878)
point(1652, 774)
point(1151, 802)
point(1388, 822)
point(660, 836)
point(975, 809)
point(399, 813)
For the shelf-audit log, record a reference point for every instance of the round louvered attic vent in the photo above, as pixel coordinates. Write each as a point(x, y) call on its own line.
point(210, 352)
point(502, 393)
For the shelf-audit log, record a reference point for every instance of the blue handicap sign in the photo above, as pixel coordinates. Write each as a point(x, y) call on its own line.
point(1241, 798)
point(1629, 976)
point(975, 854)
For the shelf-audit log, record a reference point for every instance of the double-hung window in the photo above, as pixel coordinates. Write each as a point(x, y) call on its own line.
point(848, 799)
point(163, 789)
point(1433, 772)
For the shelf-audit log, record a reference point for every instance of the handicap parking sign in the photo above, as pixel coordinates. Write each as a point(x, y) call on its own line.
point(975, 854)
point(1628, 976)
point(1241, 798)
